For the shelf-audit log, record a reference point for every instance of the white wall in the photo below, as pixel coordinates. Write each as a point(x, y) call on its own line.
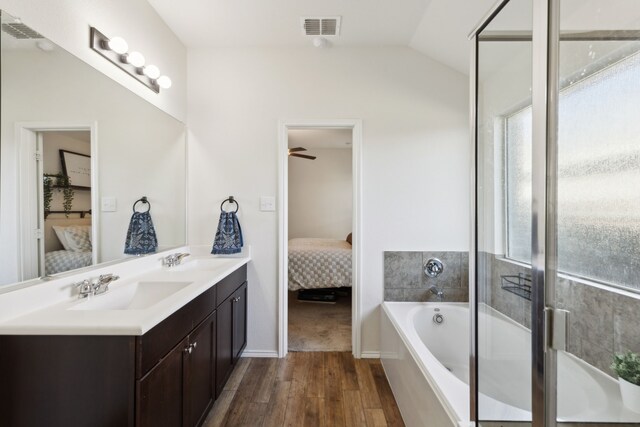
point(66, 23)
point(415, 154)
point(320, 194)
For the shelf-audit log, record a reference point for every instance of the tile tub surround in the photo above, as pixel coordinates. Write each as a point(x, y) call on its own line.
point(601, 322)
point(404, 278)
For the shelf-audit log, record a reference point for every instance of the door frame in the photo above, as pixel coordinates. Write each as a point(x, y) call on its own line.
point(283, 225)
point(26, 133)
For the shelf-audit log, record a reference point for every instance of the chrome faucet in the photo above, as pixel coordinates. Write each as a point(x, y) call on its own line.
point(439, 293)
point(102, 285)
point(174, 259)
point(96, 287)
point(86, 289)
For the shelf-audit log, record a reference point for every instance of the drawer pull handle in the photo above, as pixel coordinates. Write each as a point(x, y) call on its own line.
point(194, 345)
point(188, 349)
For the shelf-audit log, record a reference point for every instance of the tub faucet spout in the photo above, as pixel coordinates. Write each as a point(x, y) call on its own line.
point(439, 293)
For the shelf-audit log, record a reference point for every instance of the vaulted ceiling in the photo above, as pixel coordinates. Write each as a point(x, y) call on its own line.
point(437, 28)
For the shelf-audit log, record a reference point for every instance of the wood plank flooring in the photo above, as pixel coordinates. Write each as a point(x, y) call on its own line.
point(306, 389)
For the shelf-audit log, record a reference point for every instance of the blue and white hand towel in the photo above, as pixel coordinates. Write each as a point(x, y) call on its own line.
point(228, 238)
point(141, 236)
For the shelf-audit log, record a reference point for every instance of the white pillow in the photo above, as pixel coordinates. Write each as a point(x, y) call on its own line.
point(78, 238)
point(59, 230)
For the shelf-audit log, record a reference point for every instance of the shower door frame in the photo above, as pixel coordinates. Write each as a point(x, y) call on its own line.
point(545, 89)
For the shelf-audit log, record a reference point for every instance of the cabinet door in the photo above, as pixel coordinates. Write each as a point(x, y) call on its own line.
point(239, 340)
point(200, 372)
point(224, 350)
point(159, 394)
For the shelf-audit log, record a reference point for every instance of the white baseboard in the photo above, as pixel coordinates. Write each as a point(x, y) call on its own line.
point(370, 355)
point(259, 353)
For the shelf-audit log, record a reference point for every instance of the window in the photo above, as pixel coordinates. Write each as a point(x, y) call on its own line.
point(598, 177)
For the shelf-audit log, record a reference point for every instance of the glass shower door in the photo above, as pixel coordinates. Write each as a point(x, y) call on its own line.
point(503, 216)
point(596, 207)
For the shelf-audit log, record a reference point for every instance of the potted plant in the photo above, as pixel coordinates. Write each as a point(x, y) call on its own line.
point(627, 366)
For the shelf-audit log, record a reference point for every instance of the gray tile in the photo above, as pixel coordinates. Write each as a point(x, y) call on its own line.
point(597, 356)
point(418, 295)
point(450, 276)
point(464, 270)
point(626, 324)
point(456, 295)
point(394, 295)
point(591, 315)
point(402, 269)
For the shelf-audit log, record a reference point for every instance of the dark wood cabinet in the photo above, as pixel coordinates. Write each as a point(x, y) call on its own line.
point(167, 377)
point(239, 325)
point(199, 383)
point(179, 390)
point(224, 347)
point(159, 394)
point(232, 334)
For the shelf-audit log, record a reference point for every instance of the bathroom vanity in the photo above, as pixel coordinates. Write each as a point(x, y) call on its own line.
point(155, 350)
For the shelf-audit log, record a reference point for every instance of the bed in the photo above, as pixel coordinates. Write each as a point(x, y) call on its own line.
point(319, 263)
point(67, 244)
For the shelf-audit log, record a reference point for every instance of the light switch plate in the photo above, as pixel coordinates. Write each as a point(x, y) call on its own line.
point(267, 204)
point(109, 204)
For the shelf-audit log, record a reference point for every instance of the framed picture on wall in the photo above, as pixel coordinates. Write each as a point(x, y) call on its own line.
point(77, 167)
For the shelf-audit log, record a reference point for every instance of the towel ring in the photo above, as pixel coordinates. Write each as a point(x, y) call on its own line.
point(144, 201)
point(230, 200)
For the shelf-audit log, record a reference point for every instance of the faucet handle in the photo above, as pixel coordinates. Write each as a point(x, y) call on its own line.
point(85, 288)
point(108, 278)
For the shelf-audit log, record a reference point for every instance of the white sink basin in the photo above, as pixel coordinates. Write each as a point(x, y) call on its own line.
point(135, 296)
point(204, 264)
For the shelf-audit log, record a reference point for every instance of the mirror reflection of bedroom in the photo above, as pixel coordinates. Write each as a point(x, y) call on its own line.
point(65, 216)
point(319, 253)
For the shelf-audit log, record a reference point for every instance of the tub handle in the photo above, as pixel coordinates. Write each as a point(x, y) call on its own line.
point(434, 267)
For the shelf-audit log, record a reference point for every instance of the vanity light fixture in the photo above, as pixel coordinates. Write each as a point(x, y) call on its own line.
point(134, 58)
point(116, 50)
point(151, 71)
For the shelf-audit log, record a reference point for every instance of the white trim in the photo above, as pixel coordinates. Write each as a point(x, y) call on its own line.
point(370, 355)
point(356, 126)
point(24, 131)
point(259, 353)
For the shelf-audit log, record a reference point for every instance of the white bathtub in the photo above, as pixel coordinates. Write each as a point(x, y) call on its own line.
point(427, 365)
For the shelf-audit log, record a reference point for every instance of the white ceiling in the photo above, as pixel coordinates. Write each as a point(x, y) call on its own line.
point(212, 23)
point(314, 139)
point(436, 28)
point(444, 28)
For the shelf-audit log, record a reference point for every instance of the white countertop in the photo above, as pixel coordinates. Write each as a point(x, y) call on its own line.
point(48, 308)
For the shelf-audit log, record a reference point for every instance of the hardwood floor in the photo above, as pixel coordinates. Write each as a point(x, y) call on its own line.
point(306, 389)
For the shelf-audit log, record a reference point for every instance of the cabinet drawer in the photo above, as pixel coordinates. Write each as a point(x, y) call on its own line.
point(229, 284)
point(152, 346)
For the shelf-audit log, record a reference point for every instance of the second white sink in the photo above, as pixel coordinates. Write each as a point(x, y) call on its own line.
point(134, 296)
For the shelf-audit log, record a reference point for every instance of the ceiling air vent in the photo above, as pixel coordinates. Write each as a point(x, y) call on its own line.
point(20, 31)
point(321, 26)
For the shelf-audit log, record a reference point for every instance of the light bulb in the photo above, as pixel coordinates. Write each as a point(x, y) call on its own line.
point(118, 45)
point(151, 71)
point(136, 59)
point(164, 82)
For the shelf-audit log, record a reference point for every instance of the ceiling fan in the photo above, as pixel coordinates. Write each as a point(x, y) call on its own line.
point(293, 152)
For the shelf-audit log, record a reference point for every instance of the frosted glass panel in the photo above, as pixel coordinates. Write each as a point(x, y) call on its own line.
point(518, 184)
point(598, 174)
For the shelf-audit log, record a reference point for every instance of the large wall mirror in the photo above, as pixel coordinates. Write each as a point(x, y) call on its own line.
point(77, 150)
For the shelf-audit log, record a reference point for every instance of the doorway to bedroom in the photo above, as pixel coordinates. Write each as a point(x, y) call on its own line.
point(320, 244)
